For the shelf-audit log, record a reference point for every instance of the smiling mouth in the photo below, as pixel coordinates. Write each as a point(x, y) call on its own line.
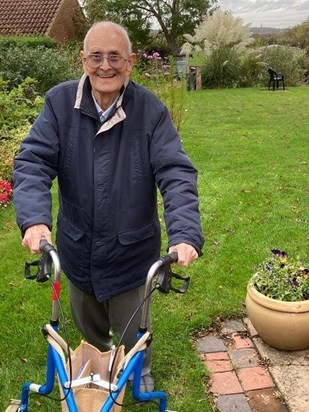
point(106, 76)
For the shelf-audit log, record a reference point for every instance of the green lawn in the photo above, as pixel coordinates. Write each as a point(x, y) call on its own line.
point(251, 149)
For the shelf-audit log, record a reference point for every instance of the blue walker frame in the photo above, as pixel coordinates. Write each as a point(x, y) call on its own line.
point(55, 365)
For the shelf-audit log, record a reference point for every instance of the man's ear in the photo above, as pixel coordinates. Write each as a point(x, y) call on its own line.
point(130, 62)
point(82, 56)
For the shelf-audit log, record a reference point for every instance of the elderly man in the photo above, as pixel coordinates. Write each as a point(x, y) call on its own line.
point(110, 143)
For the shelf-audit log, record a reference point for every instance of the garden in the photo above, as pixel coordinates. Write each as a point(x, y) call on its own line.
point(253, 185)
point(249, 146)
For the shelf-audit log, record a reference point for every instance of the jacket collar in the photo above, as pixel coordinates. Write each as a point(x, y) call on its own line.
point(82, 103)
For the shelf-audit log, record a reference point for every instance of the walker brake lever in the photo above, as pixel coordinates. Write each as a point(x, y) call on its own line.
point(185, 283)
point(164, 281)
point(44, 269)
point(27, 270)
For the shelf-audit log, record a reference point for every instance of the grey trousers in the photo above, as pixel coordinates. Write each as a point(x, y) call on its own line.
point(99, 321)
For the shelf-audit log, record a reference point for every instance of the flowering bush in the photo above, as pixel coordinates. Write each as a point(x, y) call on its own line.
point(153, 64)
point(154, 55)
point(5, 193)
point(283, 278)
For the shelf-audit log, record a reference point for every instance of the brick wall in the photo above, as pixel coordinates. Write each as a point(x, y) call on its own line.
point(63, 26)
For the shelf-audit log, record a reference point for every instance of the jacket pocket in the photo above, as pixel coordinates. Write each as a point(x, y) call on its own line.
point(136, 235)
point(67, 227)
point(74, 250)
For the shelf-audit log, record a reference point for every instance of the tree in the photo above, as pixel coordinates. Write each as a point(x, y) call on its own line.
point(173, 18)
point(298, 36)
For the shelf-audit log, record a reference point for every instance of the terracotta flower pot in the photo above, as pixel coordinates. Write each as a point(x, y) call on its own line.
point(282, 325)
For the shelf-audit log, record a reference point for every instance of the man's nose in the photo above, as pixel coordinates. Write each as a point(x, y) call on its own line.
point(105, 63)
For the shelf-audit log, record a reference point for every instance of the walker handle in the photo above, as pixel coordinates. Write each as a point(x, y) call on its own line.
point(49, 257)
point(161, 269)
point(46, 247)
point(44, 265)
point(165, 275)
point(169, 259)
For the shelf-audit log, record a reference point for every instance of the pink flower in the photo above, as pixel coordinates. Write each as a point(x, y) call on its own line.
point(4, 198)
point(156, 56)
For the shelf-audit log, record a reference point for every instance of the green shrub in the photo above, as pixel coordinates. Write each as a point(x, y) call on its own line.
point(19, 105)
point(26, 41)
point(221, 68)
point(252, 71)
point(18, 108)
point(48, 66)
point(227, 67)
point(283, 59)
point(9, 145)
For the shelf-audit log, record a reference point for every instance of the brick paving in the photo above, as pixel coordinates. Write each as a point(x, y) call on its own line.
point(239, 379)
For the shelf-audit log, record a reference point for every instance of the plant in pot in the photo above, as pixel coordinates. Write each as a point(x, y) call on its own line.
point(277, 301)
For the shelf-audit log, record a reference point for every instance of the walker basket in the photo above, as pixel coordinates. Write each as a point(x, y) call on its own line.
point(86, 360)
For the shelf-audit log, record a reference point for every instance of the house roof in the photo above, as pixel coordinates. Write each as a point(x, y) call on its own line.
point(27, 17)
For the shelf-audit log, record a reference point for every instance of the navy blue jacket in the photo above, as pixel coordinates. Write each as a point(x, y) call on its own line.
point(108, 231)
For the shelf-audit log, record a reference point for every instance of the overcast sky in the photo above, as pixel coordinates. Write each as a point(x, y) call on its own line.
point(268, 13)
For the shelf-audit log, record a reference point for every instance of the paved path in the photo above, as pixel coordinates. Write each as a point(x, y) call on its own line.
point(246, 375)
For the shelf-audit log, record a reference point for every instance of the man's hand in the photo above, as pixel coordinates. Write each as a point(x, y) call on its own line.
point(186, 253)
point(33, 235)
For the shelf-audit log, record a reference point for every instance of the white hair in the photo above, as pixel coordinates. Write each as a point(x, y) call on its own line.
point(116, 27)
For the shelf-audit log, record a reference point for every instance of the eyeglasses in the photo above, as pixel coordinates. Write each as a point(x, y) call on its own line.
point(96, 60)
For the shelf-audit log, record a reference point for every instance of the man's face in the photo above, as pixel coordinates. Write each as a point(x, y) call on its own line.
point(110, 74)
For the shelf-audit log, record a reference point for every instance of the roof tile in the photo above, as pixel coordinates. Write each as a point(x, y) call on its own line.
point(26, 17)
